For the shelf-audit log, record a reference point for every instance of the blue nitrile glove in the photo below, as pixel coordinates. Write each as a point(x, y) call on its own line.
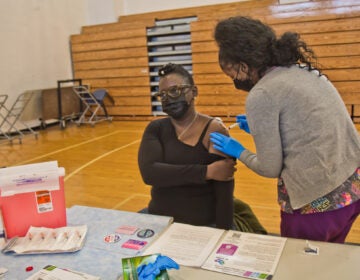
point(226, 145)
point(243, 124)
point(151, 270)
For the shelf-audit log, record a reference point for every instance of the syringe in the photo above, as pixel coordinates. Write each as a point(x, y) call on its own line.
point(233, 125)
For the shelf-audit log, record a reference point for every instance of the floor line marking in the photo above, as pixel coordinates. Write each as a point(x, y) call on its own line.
point(98, 158)
point(128, 199)
point(141, 194)
point(69, 147)
point(124, 201)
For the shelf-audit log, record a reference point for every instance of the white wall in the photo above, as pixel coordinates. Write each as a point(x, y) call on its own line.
point(145, 6)
point(34, 48)
point(102, 11)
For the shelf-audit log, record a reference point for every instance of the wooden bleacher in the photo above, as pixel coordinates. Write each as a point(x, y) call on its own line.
point(114, 56)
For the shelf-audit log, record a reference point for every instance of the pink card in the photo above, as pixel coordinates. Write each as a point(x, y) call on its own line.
point(129, 230)
point(134, 244)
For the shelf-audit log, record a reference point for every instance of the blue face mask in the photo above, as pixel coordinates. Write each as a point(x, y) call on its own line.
point(246, 85)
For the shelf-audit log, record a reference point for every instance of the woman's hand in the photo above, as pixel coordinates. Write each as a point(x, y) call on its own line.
point(221, 170)
point(243, 124)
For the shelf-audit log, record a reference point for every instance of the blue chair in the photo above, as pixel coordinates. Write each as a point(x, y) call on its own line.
point(94, 103)
point(100, 95)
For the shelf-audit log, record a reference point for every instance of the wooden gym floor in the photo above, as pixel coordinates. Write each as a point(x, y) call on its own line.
point(101, 168)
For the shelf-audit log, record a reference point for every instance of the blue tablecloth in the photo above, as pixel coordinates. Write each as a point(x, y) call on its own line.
point(97, 257)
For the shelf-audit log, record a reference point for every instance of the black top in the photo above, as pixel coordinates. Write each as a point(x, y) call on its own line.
point(177, 173)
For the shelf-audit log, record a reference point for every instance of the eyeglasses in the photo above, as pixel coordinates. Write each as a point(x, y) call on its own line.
point(173, 92)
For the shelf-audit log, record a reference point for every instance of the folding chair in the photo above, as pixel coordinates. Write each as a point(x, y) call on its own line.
point(11, 118)
point(94, 103)
point(3, 114)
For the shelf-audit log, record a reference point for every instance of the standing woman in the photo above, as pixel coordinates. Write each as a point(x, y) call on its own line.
point(302, 131)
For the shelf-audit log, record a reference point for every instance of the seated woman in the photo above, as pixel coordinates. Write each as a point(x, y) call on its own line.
point(190, 180)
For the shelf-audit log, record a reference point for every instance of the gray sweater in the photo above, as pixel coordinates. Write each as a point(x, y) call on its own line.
point(302, 132)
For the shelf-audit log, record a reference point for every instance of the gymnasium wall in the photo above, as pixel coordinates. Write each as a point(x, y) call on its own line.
point(114, 56)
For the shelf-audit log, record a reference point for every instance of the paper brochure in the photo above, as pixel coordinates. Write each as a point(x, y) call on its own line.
point(247, 255)
point(187, 245)
point(51, 272)
point(238, 253)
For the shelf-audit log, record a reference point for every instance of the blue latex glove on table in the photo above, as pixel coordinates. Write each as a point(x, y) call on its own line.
point(243, 124)
point(226, 144)
point(151, 270)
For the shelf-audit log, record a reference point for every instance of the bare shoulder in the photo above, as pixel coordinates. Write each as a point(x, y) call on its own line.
point(217, 125)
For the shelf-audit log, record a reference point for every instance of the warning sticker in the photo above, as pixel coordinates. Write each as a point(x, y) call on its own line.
point(44, 201)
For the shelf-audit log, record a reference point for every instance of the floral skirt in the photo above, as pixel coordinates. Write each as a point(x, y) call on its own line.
point(344, 195)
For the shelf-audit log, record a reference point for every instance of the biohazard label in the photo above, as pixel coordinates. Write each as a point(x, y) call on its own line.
point(44, 201)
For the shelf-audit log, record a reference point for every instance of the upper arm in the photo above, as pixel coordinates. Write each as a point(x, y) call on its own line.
point(150, 150)
point(215, 126)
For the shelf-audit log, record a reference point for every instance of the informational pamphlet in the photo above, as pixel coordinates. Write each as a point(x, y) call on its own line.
point(232, 252)
point(247, 255)
point(187, 245)
point(51, 272)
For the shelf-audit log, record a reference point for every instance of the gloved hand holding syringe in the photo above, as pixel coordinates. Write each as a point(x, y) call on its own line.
point(241, 122)
point(229, 145)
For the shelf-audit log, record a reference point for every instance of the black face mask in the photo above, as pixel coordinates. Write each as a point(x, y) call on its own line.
point(176, 109)
point(246, 85)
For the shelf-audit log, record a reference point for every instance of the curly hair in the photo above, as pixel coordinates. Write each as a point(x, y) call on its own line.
point(177, 69)
point(242, 39)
